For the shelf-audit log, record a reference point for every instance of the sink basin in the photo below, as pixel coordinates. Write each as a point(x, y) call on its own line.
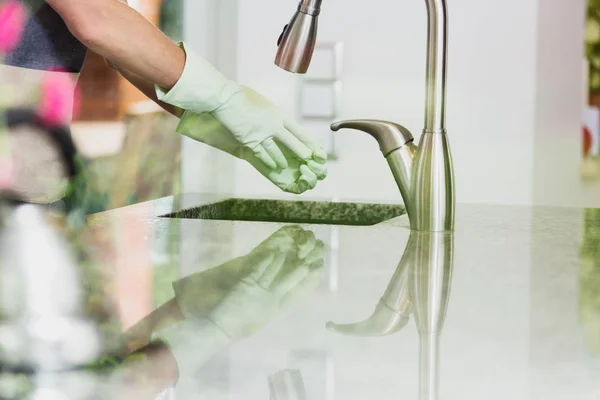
point(299, 212)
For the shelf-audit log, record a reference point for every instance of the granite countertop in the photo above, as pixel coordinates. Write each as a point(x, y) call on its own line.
point(506, 307)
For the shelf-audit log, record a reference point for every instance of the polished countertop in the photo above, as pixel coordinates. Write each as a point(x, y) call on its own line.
point(506, 307)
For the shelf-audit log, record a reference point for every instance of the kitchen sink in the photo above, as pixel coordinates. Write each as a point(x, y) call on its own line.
point(298, 212)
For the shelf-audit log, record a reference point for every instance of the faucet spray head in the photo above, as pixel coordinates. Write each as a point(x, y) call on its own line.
point(297, 42)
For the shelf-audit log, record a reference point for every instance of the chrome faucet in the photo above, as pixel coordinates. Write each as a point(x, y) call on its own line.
point(420, 286)
point(424, 173)
point(297, 42)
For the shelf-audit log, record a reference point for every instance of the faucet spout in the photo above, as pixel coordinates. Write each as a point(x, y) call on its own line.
point(389, 135)
point(397, 146)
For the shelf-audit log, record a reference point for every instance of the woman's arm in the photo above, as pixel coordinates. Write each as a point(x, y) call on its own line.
point(119, 33)
point(147, 88)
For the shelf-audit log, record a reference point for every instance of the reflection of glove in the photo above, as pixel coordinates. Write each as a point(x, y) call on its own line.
point(285, 263)
point(254, 121)
point(296, 178)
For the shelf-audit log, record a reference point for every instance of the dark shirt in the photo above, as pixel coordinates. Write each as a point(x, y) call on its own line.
point(47, 43)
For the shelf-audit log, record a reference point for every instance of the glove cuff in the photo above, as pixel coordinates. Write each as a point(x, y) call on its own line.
point(201, 87)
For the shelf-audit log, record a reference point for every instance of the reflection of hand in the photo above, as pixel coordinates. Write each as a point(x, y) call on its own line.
point(145, 374)
point(282, 265)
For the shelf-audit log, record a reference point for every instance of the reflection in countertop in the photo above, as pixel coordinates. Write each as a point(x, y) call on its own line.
point(506, 307)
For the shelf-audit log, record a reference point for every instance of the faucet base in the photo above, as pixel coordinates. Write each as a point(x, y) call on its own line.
point(431, 207)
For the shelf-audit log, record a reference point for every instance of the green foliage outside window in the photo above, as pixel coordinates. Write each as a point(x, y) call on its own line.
point(592, 43)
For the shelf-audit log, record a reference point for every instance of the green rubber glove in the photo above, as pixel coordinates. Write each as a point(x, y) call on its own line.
point(255, 122)
point(279, 270)
point(297, 177)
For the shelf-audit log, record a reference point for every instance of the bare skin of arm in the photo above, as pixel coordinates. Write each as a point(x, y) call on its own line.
point(139, 335)
point(120, 34)
point(147, 88)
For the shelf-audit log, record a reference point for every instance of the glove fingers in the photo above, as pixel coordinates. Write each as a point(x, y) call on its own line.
point(264, 157)
point(284, 240)
point(291, 280)
point(308, 177)
point(296, 188)
point(275, 153)
point(287, 233)
point(316, 254)
point(320, 170)
point(320, 155)
point(295, 145)
point(271, 271)
point(306, 244)
point(260, 263)
point(307, 277)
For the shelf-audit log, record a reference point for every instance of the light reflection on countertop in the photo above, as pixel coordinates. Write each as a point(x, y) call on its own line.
point(519, 310)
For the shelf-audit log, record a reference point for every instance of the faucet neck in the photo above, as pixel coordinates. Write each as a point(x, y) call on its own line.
point(437, 59)
point(310, 7)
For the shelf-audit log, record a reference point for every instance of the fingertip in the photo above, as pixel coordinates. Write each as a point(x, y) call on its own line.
point(308, 176)
point(320, 245)
point(320, 170)
point(303, 185)
point(265, 158)
point(294, 188)
point(320, 155)
point(304, 170)
point(282, 162)
point(317, 265)
point(275, 153)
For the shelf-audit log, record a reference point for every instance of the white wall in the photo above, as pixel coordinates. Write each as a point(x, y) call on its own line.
point(210, 30)
point(496, 111)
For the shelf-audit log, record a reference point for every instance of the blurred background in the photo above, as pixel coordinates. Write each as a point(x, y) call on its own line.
point(118, 129)
point(524, 84)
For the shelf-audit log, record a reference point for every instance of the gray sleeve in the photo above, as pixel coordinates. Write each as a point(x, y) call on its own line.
point(47, 43)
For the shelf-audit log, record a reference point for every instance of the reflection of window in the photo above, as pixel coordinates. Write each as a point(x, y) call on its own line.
point(317, 371)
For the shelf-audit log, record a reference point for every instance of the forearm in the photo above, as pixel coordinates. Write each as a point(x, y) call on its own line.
point(154, 365)
point(141, 333)
point(183, 335)
point(147, 88)
point(119, 33)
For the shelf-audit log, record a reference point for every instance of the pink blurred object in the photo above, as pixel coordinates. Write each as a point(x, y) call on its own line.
point(59, 99)
point(12, 23)
point(6, 173)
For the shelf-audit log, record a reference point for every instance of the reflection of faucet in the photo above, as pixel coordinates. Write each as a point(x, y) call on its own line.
point(429, 289)
point(425, 173)
point(421, 285)
point(391, 313)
